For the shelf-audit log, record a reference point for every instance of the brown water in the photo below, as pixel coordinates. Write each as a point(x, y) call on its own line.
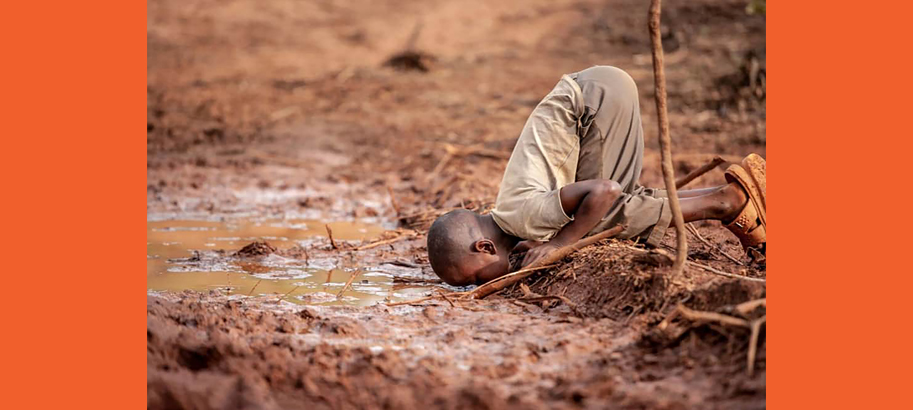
point(171, 265)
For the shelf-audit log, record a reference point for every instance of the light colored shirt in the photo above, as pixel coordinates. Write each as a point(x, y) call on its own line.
point(543, 161)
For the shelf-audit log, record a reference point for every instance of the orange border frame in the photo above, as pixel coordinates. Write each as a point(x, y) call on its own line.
point(73, 188)
point(838, 150)
point(73, 177)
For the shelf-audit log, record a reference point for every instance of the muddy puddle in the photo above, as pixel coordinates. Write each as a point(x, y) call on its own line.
point(200, 255)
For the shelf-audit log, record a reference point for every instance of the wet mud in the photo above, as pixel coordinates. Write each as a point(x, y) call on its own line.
point(269, 121)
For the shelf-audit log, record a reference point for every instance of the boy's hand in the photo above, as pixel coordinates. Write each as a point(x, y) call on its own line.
point(526, 245)
point(538, 252)
point(588, 201)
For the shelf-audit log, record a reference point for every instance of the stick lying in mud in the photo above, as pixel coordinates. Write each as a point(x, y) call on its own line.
point(330, 234)
point(287, 293)
point(665, 143)
point(385, 242)
point(348, 283)
point(409, 302)
point(715, 162)
point(497, 284)
point(255, 286)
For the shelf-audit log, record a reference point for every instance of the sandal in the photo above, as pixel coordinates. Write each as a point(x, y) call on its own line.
point(750, 226)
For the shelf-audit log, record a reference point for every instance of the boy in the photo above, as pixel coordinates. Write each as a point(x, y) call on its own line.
point(574, 172)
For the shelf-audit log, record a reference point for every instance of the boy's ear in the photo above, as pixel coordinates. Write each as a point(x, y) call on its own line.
point(485, 246)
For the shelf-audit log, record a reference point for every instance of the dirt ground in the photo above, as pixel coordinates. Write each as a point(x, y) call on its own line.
point(398, 111)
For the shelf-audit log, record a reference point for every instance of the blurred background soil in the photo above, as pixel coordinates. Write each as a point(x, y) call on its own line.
point(399, 111)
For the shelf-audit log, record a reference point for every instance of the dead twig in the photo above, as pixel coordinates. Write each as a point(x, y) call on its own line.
point(753, 342)
point(255, 286)
point(483, 152)
point(447, 299)
point(502, 282)
point(665, 143)
point(563, 299)
point(442, 295)
point(385, 242)
point(410, 302)
point(726, 274)
point(720, 250)
point(393, 201)
point(287, 293)
point(348, 283)
point(715, 162)
point(440, 166)
point(330, 234)
point(329, 277)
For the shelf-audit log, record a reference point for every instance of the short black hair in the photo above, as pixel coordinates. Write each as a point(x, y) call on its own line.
point(449, 239)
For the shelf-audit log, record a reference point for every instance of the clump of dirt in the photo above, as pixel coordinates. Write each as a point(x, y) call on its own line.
point(620, 279)
point(410, 61)
point(255, 249)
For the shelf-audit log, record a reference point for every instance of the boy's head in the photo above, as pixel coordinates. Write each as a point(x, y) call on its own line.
point(464, 250)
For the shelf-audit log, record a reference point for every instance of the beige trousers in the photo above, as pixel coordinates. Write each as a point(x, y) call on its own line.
point(612, 147)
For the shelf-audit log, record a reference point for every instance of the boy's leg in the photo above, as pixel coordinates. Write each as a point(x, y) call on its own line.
point(612, 146)
point(721, 203)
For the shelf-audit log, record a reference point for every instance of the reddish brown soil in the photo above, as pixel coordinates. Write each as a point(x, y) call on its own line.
point(328, 110)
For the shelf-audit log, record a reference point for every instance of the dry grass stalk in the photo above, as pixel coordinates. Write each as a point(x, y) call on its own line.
point(255, 286)
point(726, 274)
point(713, 247)
point(393, 201)
point(287, 293)
point(665, 143)
point(385, 242)
point(330, 234)
point(348, 283)
point(715, 162)
point(442, 295)
point(413, 301)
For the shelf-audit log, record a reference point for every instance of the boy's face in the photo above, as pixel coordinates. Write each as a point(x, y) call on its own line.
point(482, 265)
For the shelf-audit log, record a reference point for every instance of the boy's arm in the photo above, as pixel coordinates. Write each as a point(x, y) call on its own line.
point(588, 201)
